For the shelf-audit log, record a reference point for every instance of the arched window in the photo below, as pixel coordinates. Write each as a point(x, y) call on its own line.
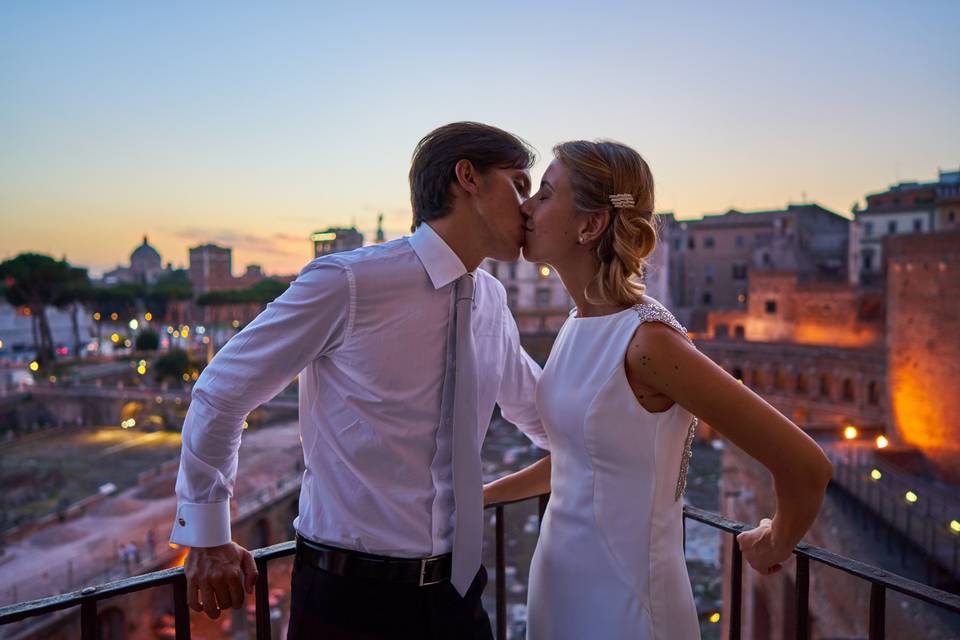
point(780, 379)
point(802, 384)
point(825, 384)
point(848, 393)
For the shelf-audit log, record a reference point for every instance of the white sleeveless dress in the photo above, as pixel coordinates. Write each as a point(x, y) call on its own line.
point(609, 562)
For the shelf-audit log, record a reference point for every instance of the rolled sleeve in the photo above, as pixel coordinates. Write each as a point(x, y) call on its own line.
point(309, 320)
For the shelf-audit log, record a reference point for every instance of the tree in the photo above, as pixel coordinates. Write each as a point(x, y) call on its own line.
point(147, 341)
point(170, 287)
point(76, 291)
point(174, 365)
point(36, 281)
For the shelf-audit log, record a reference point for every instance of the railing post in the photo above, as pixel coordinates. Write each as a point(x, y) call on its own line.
point(181, 610)
point(878, 606)
point(263, 602)
point(501, 576)
point(88, 620)
point(736, 587)
point(803, 597)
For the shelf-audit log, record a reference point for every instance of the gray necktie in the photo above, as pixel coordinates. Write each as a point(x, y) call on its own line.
point(467, 475)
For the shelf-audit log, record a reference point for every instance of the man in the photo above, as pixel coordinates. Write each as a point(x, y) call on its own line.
point(402, 350)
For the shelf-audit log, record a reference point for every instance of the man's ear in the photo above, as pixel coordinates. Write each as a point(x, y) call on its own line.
point(467, 177)
point(594, 225)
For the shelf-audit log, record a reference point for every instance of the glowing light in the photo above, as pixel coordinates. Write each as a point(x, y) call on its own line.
point(850, 432)
point(52, 378)
point(186, 377)
point(1, 344)
point(148, 316)
point(127, 343)
point(715, 617)
point(114, 316)
point(34, 366)
point(176, 334)
point(184, 331)
point(133, 324)
point(96, 315)
point(246, 425)
point(206, 339)
point(235, 323)
point(875, 474)
point(544, 271)
point(882, 442)
point(910, 497)
point(201, 330)
point(115, 337)
point(142, 370)
point(169, 329)
point(323, 237)
point(955, 526)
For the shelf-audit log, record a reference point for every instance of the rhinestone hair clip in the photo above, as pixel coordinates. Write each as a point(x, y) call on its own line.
point(622, 201)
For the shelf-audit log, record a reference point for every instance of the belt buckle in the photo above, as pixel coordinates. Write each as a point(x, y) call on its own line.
point(423, 573)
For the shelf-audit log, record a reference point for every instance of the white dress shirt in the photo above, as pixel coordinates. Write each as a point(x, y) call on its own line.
point(366, 330)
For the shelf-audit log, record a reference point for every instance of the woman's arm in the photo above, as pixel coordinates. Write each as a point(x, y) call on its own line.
point(526, 483)
point(661, 358)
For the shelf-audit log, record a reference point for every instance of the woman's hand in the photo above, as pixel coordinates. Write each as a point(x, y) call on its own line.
point(489, 494)
point(761, 550)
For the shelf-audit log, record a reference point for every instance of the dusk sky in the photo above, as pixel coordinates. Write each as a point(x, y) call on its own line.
point(255, 124)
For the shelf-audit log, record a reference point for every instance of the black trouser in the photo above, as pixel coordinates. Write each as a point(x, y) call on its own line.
point(325, 605)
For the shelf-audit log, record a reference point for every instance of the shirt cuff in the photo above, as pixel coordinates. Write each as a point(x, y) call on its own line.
point(202, 525)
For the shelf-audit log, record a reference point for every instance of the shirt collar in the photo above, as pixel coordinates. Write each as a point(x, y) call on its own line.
point(441, 263)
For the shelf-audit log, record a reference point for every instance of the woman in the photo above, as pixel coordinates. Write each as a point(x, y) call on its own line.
point(618, 398)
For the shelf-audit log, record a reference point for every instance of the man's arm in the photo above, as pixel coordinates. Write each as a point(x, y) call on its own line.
point(517, 396)
point(309, 320)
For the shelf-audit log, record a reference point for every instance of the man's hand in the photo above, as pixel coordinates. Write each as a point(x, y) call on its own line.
point(217, 577)
point(760, 549)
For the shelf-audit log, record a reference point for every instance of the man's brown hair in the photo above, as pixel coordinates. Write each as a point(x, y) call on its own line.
point(434, 162)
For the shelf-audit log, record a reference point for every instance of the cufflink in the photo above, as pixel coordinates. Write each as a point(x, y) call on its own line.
point(181, 522)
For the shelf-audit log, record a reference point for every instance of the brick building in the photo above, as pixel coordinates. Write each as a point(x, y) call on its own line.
point(710, 258)
point(923, 352)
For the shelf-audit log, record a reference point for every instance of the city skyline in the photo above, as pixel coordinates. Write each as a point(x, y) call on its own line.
point(255, 128)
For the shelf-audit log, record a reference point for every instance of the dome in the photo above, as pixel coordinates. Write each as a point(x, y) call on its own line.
point(145, 252)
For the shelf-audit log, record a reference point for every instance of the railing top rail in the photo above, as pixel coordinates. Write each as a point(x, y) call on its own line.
point(862, 570)
point(931, 595)
point(21, 610)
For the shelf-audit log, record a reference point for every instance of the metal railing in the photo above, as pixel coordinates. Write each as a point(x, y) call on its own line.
point(880, 583)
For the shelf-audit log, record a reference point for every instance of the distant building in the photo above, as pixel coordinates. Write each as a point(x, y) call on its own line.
point(711, 258)
point(904, 208)
point(946, 214)
point(923, 353)
point(146, 267)
point(335, 240)
point(211, 268)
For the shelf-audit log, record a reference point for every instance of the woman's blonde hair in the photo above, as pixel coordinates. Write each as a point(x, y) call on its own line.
point(599, 170)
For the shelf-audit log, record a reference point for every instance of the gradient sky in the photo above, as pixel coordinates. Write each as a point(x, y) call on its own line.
point(255, 124)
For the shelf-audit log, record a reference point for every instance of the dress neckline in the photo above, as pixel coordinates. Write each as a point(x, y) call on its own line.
point(574, 316)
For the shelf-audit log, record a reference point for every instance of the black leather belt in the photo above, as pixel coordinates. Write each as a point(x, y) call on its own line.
point(421, 572)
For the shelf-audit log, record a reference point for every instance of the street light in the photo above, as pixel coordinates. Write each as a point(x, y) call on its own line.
point(875, 474)
point(850, 432)
point(955, 526)
point(911, 497)
point(882, 442)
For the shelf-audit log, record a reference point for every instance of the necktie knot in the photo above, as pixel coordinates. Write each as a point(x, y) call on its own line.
point(466, 287)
